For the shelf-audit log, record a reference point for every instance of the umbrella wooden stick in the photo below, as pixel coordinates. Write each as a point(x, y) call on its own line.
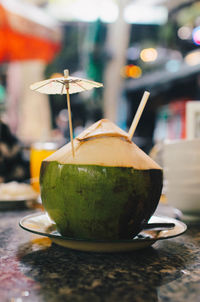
point(70, 121)
point(66, 74)
point(138, 114)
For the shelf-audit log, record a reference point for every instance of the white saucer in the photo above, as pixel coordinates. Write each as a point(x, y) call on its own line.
point(40, 224)
point(6, 205)
point(14, 195)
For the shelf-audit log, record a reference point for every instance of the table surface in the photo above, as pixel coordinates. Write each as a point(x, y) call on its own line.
point(34, 269)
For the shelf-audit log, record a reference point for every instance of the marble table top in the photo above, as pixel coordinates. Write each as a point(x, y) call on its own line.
point(34, 269)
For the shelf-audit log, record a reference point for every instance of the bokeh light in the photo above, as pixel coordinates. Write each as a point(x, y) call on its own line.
point(138, 12)
point(108, 11)
point(84, 11)
point(56, 75)
point(196, 35)
point(193, 58)
point(148, 54)
point(131, 71)
point(185, 33)
point(173, 65)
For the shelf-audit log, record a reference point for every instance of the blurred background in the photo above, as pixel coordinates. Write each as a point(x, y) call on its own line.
point(128, 45)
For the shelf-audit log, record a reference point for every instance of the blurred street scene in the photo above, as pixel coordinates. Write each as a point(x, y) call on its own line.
point(129, 46)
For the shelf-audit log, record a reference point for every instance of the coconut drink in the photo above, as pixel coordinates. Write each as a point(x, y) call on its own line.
point(101, 185)
point(107, 191)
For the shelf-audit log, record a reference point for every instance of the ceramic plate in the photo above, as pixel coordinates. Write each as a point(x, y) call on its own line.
point(14, 195)
point(41, 224)
point(12, 204)
point(22, 203)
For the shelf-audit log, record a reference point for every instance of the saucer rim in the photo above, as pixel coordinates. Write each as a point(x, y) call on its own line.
point(133, 240)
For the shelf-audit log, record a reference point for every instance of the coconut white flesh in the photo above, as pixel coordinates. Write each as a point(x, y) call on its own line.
point(104, 150)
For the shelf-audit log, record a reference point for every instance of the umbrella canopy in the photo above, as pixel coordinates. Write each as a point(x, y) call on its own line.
point(65, 85)
point(26, 32)
point(58, 85)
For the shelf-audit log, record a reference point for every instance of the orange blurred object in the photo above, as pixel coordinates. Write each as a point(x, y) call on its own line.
point(131, 71)
point(24, 37)
point(38, 152)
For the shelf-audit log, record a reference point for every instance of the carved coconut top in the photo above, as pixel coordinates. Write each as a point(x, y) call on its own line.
point(104, 144)
point(101, 128)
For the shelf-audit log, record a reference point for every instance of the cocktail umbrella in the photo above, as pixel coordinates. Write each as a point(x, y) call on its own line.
point(65, 85)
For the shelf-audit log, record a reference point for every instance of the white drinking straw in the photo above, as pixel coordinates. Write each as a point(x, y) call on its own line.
point(138, 114)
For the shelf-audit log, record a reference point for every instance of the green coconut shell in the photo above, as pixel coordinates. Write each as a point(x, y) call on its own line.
point(108, 195)
point(97, 202)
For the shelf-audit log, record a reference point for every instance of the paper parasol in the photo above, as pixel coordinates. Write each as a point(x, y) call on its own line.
point(65, 85)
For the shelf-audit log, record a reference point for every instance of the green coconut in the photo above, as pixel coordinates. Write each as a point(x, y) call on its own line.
point(108, 191)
